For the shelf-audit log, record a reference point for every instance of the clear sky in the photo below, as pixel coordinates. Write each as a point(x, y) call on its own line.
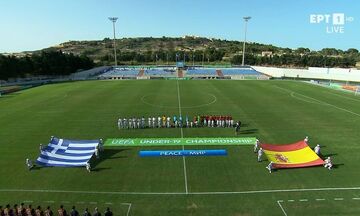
point(36, 24)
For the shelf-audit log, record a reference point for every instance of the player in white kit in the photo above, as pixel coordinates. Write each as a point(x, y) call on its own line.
point(119, 123)
point(168, 122)
point(159, 122)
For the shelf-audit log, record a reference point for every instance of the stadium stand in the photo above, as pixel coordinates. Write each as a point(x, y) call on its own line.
point(160, 72)
point(119, 73)
point(90, 73)
point(226, 73)
point(193, 72)
point(201, 72)
point(239, 71)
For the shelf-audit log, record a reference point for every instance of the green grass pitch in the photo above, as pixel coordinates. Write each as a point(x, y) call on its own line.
point(273, 111)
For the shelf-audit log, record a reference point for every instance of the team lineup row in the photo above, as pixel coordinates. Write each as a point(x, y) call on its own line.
point(168, 122)
point(22, 210)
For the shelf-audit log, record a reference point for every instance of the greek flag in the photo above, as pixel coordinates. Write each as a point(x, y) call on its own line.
point(67, 153)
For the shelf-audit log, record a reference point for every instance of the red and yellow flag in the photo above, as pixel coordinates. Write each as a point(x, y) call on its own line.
point(292, 155)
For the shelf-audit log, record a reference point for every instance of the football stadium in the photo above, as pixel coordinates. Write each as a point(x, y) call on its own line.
point(178, 137)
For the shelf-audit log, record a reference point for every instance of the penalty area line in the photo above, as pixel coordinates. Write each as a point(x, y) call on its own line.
point(281, 207)
point(129, 208)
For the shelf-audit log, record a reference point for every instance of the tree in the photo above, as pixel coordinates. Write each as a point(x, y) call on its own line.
point(302, 50)
point(45, 63)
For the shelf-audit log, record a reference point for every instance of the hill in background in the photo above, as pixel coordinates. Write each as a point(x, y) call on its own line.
point(150, 50)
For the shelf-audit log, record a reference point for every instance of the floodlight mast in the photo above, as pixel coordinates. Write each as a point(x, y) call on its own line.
point(246, 19)
point(113, 20)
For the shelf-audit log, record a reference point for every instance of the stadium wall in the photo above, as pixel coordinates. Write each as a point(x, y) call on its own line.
point(340, 74)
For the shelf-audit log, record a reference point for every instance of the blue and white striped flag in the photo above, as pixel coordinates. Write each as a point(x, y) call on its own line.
point(66, 153)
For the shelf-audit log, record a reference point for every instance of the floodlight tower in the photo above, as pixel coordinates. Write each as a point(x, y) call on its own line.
point(113, 20)
point(193, 56)
point(246, 19)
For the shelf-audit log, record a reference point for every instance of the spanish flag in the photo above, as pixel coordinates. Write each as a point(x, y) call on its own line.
point(292, 155)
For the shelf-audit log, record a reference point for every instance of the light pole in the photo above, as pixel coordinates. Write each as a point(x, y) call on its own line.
point(246, 19)
point(184, 58)
point(113, 20)
point(203, 58)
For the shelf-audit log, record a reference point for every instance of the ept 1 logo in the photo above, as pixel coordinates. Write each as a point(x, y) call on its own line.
point(335, 23)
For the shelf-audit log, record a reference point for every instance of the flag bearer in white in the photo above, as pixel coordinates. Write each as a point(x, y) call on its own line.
point(317, 149)
point(88, 167)
point(97, 154)
point(328, 163)
point(29, 164)
point(41, 148)
point(270, 167)
point(306, 140)
point(101, 145)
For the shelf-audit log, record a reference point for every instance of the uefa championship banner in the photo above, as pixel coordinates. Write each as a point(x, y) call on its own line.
point(180, 141)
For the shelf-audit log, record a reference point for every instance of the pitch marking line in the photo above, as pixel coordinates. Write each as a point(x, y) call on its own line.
point(305, 200)
point(335, 90)
point(307, 101)
point(182, 136)
point(129, 208)
point(349, 98)
point(319, 101)
point(320, 199)
point(338, 199)
point(281, 207)
point(182, 193)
